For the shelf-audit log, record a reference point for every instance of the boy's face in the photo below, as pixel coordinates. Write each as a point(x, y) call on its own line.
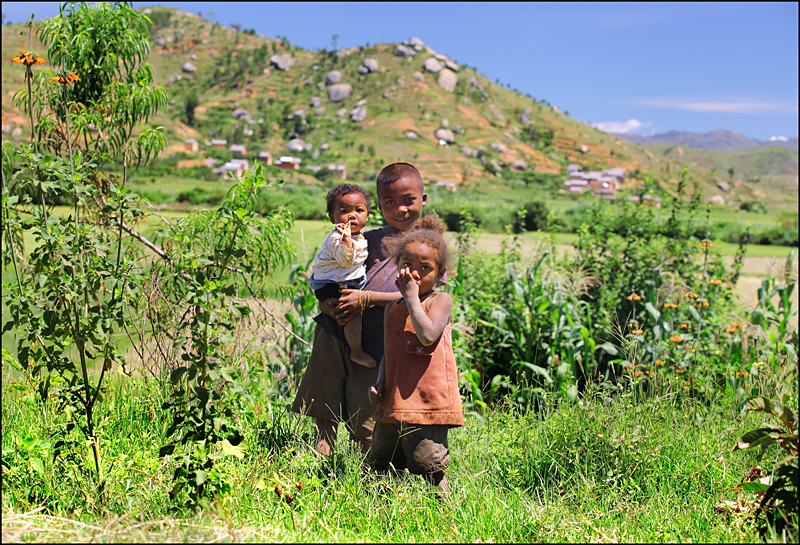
point(352, 209)
point(401, 202)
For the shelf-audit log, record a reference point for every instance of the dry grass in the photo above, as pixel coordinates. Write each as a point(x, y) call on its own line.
point(36, 527)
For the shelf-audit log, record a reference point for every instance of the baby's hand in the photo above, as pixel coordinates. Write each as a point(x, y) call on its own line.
point(376, 393)
point(347, 236)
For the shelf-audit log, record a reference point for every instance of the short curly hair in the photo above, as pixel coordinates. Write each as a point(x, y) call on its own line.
point(430, 231)
point(341, 190)
point(391, 173)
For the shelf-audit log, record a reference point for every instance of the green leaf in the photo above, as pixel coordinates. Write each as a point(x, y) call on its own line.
point(776, 408)
point(572, 392)
point(754, 438)
point(608, 348)
point(201, 477)
point(241, 212)
point(753, 486)
point(231, 450)
point(175, 376)
point(36, 465)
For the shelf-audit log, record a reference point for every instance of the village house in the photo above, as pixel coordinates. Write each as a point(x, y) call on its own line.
point(238, 148)
point(603, 183)
point(450, 186)
point(288, 163)
point(227, 168)
point(576, 186)
point(313, 168)
point(190, 144)
point(264, 156)
point(244, 162)
point(340, 171)
point(219, 143)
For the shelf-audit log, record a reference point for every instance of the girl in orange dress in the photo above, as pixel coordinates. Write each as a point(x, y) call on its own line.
point(417, 389)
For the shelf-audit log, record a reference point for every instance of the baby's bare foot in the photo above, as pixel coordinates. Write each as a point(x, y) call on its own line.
point(362, 358)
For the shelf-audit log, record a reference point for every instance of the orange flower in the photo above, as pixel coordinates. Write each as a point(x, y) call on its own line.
point(65, 77)
point(691, 295)
point(707, 244)
point(670, 305)
point(687, 383)
point(680, 371)
point(716, 282)
point(685, 326)
point(637, 331)
point(638, 373)
point(28, 58)
point(660, 362)
point(731, 330)
point(743, 374)
point(737, 324)
point(675, 339)
point(634, 298)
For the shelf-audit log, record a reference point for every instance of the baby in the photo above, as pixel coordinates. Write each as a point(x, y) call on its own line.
point(340, 263)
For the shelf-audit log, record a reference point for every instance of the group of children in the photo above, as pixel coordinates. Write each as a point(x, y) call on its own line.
point(378, 304)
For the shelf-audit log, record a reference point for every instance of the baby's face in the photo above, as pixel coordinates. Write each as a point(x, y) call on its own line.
point(350, 209)
point(401, 202)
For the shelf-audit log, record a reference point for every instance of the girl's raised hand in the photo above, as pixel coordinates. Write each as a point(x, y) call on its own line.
point(407, 283)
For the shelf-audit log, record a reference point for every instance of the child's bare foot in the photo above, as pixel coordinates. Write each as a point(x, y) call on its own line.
point(362, 358)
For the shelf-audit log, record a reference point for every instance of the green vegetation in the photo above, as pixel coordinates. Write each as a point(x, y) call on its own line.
point(149, 359)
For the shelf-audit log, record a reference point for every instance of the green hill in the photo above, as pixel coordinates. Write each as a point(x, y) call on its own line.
point(768, 170)
point(499, 136)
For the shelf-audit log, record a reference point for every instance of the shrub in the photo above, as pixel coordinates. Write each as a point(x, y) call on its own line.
point(534, 217)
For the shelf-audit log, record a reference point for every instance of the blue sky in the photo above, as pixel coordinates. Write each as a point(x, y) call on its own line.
point(640, 68)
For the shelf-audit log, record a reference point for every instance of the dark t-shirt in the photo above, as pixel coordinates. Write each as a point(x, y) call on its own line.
point(381, 275)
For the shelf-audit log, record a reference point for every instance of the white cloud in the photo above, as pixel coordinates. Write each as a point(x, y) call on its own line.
point(621, 127)
point(778, 139)
point(724, 105)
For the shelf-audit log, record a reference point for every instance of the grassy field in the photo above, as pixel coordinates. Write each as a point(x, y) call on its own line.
point(605, 469)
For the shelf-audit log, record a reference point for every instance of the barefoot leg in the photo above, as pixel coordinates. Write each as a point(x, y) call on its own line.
point(438, 480)
point(325, 436)
point(352, 332)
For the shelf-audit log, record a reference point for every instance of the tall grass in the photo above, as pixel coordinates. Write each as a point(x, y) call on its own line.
point(601, 469)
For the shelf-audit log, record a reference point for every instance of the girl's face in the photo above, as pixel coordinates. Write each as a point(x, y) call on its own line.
point(420, 258)
point(352, 209)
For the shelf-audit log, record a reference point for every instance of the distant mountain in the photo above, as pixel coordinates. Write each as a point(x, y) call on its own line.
point(714, 140)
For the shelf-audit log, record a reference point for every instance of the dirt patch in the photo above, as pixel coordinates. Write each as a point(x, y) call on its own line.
point(406, 124)
point(186, 131)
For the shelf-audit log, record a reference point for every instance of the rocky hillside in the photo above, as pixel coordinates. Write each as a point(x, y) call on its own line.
point(363, 107)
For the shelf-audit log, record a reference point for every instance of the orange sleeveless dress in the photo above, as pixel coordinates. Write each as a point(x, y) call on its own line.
point(421, 381)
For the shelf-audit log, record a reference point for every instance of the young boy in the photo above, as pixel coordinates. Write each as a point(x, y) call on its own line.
point(340, 262)
point(334, 388)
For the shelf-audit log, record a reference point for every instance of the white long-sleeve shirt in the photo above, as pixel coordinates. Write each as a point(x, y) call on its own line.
point(335, 262)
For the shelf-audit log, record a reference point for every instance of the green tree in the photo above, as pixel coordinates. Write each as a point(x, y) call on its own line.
point(191, 104)
point(69, 296)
